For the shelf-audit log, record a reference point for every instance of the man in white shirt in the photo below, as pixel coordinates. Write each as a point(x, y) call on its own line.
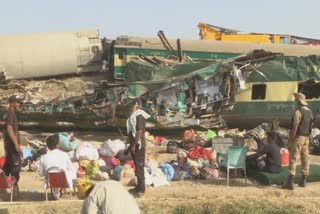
point(56, 158)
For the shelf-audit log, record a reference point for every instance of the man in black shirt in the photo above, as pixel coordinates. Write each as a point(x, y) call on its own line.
point(273, 155)
point(136, 126)
point(11, 141)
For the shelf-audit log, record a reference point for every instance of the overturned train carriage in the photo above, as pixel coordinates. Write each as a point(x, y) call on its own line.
point(58, 76)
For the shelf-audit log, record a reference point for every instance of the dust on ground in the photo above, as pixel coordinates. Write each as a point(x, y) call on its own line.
point(165, 199)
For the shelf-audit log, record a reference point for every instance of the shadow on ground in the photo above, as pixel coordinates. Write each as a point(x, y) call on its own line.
point(31, 196)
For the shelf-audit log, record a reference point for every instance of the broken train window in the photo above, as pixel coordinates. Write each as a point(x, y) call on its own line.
point(310, 89)
point(258, 92)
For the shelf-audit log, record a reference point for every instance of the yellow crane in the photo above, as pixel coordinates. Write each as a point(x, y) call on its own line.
point(212, 32)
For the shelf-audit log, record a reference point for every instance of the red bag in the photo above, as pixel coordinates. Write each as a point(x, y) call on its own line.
point(199, 152)
point(160, 140)
point(111, 162)
point(206, 154)
point(194, 153)
point(2, 161)
point(131, 163)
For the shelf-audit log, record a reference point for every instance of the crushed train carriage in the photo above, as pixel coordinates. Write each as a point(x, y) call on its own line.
point(191, 83)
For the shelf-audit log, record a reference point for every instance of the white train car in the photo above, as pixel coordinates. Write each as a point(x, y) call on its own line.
point(49, 54)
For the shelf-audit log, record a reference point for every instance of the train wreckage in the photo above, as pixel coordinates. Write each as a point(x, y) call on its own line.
point(75, 79)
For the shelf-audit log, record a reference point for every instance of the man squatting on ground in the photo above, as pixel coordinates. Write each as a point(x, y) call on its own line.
point(299, 141)
point(272, 161)
point(136, 125)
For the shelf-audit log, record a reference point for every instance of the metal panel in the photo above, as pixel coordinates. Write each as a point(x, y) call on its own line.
point(216, 46)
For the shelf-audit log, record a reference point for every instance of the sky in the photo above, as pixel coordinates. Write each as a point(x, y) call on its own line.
point(177, 18)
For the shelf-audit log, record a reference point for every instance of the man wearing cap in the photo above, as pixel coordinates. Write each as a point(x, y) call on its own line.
point(11, 141)
point(136, 125)
point(299, 141)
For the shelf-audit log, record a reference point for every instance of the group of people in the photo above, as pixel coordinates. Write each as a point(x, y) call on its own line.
point(55, 159)
point(298, 146)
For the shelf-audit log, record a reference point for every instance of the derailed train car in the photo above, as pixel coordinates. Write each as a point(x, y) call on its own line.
point(242, 92)
point(262, 92)
point(64, 80)
point(56, 73)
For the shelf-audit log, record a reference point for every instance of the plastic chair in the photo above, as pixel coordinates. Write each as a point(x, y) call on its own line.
point(56, 178)
point(7, 182)
point(235, 159)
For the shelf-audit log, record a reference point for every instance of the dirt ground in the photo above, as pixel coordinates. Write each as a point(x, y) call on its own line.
point(165, 199)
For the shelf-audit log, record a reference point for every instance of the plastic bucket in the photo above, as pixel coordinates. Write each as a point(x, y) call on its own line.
point(284, 158)
point(82, 187)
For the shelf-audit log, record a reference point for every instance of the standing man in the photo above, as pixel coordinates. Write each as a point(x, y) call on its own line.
point(299, 141)
point(12, 146)
point(136, 126)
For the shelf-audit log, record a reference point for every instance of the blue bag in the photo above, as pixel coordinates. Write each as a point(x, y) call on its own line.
point(168, 170)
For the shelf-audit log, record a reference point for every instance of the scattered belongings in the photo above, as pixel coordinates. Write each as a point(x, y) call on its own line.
point(2, 161)
point(314, 145)
point(127, 175)
point(172, 147)
point(195, 156)
point(67, 141)
point(82, 185)
point(87, 151)
point(284, 157)
point(111, 148)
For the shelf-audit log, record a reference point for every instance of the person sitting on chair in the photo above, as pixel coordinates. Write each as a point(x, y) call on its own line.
point(56, 159)
point(271, 151)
